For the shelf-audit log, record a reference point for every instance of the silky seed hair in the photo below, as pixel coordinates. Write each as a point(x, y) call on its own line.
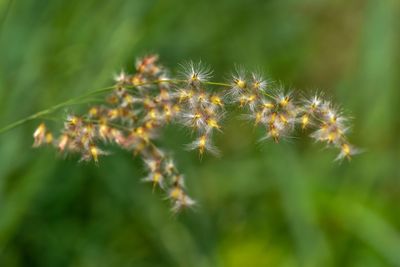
point(142, 103)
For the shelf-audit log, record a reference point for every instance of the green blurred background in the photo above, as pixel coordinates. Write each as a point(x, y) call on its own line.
point(260, 204)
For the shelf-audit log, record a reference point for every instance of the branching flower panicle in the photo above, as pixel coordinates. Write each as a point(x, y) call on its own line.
point(141, 104)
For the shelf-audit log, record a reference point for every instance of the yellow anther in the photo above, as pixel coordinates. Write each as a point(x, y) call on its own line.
point(258, 118)
point(216, 100)
point(251, 98)
point(49, 138)
point(268, 105)
point(93, 112)
point(94, 151)
point(136, 81)
point(283, 118)
point(284, 101)
point(241, 83)
point(202, 141)
point(40, 130)
point(213, 123)
point(305, 120)
point(346, 149)
point(176, 193)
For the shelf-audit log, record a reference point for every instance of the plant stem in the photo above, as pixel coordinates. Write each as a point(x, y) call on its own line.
point(74, 101)
point(52, 109)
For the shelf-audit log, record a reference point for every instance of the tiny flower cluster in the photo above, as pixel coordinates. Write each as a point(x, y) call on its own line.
point(201, 111)
point(141, 104)
point(279, 113)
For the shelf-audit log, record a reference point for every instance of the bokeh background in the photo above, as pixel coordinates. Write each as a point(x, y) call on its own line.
point(260, 204)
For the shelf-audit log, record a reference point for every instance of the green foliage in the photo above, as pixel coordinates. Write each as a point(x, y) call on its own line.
point(260, 204)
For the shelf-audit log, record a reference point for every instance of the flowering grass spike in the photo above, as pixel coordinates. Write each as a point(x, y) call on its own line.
point(141, 104)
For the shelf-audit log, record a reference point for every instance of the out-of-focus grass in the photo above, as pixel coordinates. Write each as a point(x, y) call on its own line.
point(260, 204)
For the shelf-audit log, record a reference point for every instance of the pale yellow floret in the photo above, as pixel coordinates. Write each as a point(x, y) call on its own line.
point(40, 131)
point(346, 150)
point(94, 151)
point(216, 100)
point(284, 101)
point(63, 142)
point(49, 138)
point(258, 117)
point(176, 193)
point(202, 143)
point(213, 123)
point(241, 83)
point(283, 119)
point(268, 105)
point(93, 112)
point(305, 120)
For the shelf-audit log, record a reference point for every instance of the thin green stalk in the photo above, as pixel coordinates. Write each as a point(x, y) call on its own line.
point(218, 84)
point(75, 101)
point(52, 109)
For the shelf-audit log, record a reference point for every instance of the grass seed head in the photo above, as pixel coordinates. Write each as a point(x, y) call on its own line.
point(142, 103)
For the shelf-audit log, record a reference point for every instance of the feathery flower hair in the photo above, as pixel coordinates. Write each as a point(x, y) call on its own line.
point(141, 104)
